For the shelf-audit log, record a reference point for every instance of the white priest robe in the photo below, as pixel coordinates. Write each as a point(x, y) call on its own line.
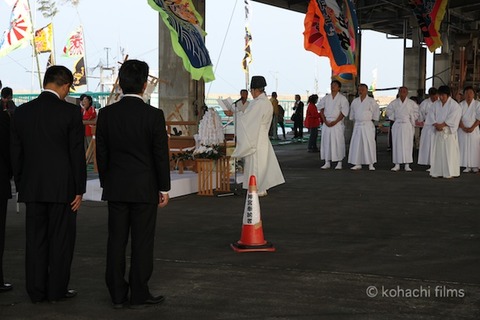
point(254, 145)
point(242, 106)
point(404, 114)
point(445, 161)
point(469, 142)
point(428, 132)
point(363, 147)
point(332, 143)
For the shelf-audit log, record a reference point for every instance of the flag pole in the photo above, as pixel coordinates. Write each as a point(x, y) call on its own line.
point(84, 55)
point(34, 46)
point(248, 39)
point(53, 44)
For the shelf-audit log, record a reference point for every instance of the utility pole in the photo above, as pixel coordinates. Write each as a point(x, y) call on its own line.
point(107, 68)
point(107, 50)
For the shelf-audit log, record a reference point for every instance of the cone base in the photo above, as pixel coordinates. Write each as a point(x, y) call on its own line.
point(238, 247)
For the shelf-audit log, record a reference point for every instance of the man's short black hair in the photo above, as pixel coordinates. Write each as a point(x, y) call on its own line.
point(432, 91)
point(338, 83)
point(58, 75)
point(132, 76)
point(469, 88)
point(363, 85)
point(444, 90)
point(7, 92)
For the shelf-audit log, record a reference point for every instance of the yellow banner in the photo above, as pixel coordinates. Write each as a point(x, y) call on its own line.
point(44, 39)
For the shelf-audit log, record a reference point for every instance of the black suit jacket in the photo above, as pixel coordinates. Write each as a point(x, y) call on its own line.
point(132, 151)
point(48, 155)
point(299, 112)
point(5, 167)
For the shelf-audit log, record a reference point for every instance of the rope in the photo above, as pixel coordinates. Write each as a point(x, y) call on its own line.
point(223, 45)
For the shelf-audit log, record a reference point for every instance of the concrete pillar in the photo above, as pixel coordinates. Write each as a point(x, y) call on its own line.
point(441, 69)
point(414, 68)
point(180, 97)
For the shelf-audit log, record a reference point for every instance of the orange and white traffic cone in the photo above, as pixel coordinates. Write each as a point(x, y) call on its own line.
point(252, 238)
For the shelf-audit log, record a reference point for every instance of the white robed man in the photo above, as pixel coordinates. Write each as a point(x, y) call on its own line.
point(404, 112)
point(428, 131)
point(363, 148)
point(445, 161)
point(468, 132)
point(253, 144)
point(333, 109)
point(242, 103)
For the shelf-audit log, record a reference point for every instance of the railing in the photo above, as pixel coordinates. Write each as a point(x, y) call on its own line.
point(99, 98)
point(286, 104)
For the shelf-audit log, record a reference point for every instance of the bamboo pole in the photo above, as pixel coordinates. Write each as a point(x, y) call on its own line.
point(34, 46)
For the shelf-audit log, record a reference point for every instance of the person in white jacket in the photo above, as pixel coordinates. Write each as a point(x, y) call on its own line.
point(363, 147)
point(428, 131)
point(253, 144)
point(468, 132)
point(445, 156)
point(333, 109)
point(404, 112)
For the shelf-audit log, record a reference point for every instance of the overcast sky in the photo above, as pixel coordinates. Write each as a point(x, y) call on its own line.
point(277, 47)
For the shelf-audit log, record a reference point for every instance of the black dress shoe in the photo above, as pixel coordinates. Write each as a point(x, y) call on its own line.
point(68, 295)
point(119, 305)
point(149, 302)
point(155, 300)
point(6, 287)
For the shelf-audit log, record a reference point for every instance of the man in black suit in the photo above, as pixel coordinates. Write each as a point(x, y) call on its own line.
point(298, 120)
point(134, 171)
point(5, 188)
point(48, 160)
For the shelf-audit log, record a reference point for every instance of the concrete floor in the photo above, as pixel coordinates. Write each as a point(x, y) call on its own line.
point(410, 240)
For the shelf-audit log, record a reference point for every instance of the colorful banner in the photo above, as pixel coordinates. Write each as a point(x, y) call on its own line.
point(184, 23)
point(75, 45)
point(20, 31)
point(79, 74)
point(247, 59)
point(44, 39)
point(332, 33)
point(429, 14)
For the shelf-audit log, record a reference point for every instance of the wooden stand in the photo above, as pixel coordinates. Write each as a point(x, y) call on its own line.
point(205, 180)
point(91, 154)
point(205, 169)
point(223, 174)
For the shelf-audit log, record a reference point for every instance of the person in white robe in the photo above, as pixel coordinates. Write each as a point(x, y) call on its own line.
point(363, 147)
point(468, 132)
point(333, 109)
point(253, 144)
point(404, 112)
point(428, 131)
point(242, 103)
point(445, 156)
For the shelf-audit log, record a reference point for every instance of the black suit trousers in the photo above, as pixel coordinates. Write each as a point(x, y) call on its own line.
point(3, 218)
point(50, 233)
point(138, 219)
point(298, 129)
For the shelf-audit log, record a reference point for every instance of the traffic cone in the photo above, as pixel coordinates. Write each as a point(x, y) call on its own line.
point(252, 238)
